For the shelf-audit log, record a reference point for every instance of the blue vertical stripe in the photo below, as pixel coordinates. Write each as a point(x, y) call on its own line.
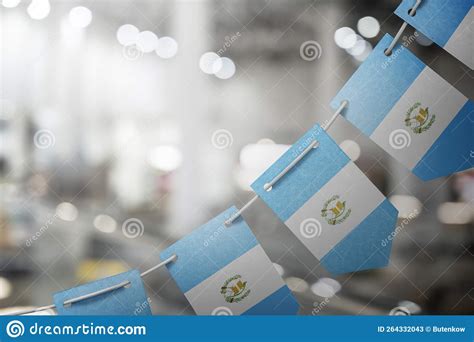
point(377, 85)
point(436, 19)
point(280, 302)
point(122, 301)
point(208, 249)
point(451, 152)
point(305, 178)
point(367, 246)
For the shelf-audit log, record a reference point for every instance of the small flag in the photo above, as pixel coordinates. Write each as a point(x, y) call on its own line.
point(330, 205)
point(129, 300)
point(446, 22)
point(411, 112)
point(224, 271)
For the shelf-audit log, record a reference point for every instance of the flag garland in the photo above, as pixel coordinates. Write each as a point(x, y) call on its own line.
point(223, 270)
point(396, 100)
point(411, 112)
point(320, 201)
point(130, 299)
point(446, 22)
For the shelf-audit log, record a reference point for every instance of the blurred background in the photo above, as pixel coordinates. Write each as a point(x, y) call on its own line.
point(124, 125)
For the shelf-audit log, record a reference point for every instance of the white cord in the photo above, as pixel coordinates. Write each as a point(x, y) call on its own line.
point(268, 186)
point(96, 293)
point(412, 13)
point(228, 222)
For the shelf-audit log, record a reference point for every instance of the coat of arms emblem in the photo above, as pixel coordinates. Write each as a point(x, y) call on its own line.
point(335, 210)
point(419, 119)
point(235, 289)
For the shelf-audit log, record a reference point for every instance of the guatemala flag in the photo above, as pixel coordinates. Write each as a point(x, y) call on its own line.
point(224, 271)
point(446, 22)
point(411, 112)
point(330, 205)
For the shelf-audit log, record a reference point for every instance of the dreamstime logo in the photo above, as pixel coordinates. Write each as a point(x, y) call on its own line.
point(310, 50)
point(15, 329)
point(400, 311)
point(399, 139)
point(222, 311)
point(132, 51)
point(222, 139)
point(44, 139)
point(310, 228)
point(132, 228)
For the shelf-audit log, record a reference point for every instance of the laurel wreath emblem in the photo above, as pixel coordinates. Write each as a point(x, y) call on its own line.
point(421, 122)
point(341, 216)
point(233, 291)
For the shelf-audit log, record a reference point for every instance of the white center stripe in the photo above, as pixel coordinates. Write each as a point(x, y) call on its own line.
point(324, 220)
point(460, 43)
point(431, 104)
point(254, 268)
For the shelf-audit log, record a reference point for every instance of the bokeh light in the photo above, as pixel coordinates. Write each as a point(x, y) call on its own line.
point(10, 3)
point(345, 37)
point(368, 27)
point(209, 61)
point(105, 223)
point(165, 158)
point(351, 148)
point(166, 47)
point(296, 284)
point(5, 288)
point(224, 68)
point(39, 9)
point(147, 41)
point(127, 34)
point(66, 211)
point(80, 17)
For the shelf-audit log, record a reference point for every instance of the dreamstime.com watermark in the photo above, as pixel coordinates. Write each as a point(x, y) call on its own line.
point(41, 231)
point(214, 236)
point(406, 42)
point(411, 216)
point(222, 139)
point(310, 50)
point(133, 228)
point(44, 139)
point(310, 228)
point(16, 329)
point(140, 307)
point(319, 306)
point(306, 142)
point(228, 41)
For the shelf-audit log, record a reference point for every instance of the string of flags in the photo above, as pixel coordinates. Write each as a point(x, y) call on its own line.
point(315, 189)
point(448, 23)
point(415, 115)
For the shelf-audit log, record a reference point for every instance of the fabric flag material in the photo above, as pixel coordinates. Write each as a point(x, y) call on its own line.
point(410, 112)
point(330, 205)
point(449, 23)
point(224, 271)
point(130, 300)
